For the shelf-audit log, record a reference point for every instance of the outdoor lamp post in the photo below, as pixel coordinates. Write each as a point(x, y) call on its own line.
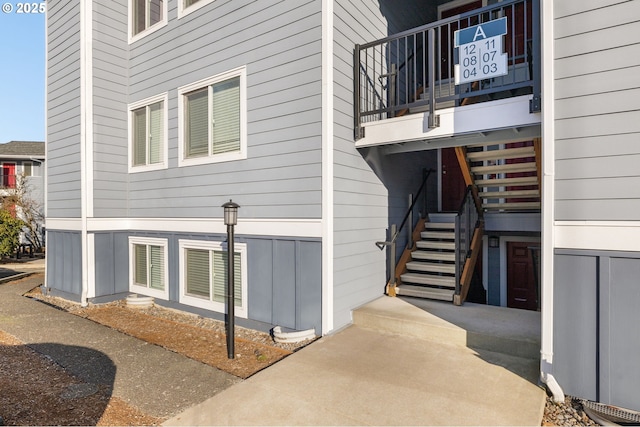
point(230, 219)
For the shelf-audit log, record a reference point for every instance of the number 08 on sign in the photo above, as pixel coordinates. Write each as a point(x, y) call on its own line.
point(480, 53)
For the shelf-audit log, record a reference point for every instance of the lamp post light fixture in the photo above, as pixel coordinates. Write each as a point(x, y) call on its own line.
point(230, 219)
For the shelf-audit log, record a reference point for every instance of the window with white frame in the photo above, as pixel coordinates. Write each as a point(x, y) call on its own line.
point(148, 266)
point(146, 15)
point(212, 116)
point(187, 6)
point(27, 168)
point(148, 134)
point(203, 275)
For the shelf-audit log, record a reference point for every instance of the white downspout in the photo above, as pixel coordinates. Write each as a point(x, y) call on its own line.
point(548, 199)
point(86, 137)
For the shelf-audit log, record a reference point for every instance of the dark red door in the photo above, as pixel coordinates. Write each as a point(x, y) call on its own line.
point(453, 186)
point(521, 286)
point(9, 175)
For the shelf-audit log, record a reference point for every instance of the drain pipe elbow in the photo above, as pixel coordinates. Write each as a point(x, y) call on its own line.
point(554, 387)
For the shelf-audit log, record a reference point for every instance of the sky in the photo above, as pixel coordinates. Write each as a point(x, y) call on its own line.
point(22, 73)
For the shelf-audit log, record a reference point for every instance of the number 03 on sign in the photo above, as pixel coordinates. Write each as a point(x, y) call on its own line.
point(480, 53)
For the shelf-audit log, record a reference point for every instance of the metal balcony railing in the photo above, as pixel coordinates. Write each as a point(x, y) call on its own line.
point(413, 71)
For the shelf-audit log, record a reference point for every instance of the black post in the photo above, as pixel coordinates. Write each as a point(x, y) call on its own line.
point(230, 295)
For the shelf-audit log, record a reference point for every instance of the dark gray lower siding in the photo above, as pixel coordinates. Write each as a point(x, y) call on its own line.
point(284, 283)
point(596, 318)
point(64, 263)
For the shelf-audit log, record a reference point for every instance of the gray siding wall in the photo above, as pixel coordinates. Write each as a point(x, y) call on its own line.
point(280, 44)
point(64, 268)
point(596, 302)
point(597, 85)
point(284, 276)
point(110, 79)
point(63, 108)
point(362, 203)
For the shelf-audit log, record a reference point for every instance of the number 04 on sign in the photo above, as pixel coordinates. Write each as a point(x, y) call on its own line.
point(480, 53)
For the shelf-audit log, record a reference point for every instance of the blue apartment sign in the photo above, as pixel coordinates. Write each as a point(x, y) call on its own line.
point(480, 53)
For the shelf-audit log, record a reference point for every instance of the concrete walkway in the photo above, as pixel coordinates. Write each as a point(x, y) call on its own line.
point(362, 376)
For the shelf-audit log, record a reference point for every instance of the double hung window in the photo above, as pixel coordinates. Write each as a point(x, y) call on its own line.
point(146, 15)
point(212, 115)
point(148, 266)
point(147, 121)
point(204, 275)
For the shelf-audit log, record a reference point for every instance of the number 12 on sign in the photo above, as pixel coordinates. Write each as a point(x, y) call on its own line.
point(482, 59)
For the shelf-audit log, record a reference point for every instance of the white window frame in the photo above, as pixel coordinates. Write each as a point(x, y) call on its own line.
point(240, 72)
point(145, 290)
point(202, 302)
point(152, 28)
point(183, 11)
point(164, 97)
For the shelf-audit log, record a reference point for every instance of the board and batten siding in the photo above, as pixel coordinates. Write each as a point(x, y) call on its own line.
point(110, 80)
point(280, 45)
point(63, 109)
point(597, 88)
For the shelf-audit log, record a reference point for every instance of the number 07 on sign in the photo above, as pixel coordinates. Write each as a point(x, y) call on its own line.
point(480, 53)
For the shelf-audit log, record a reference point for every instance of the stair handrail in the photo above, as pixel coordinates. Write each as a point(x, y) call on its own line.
point(382, 245)
point(468, 216)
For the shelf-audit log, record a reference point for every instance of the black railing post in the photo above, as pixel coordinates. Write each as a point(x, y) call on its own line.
point(410, 227)
point(434, 121)
point(356, 93)
point(392, 256)
point(535, 105)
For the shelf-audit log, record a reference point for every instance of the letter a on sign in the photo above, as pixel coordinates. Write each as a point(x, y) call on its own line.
point(479, 32)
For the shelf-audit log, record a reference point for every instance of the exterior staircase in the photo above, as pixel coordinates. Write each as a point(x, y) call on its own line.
point(431, 270)
point(507, 177)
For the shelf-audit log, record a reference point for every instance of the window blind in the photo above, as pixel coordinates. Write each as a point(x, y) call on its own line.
point(197, 272)
point(220, 277)
point(140, 264)
point(226, 116)
point(197, 127)
point(156, 132)
point(139, 136)
point(156, 268)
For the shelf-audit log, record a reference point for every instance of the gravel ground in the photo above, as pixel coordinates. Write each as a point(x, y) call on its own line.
point(569, 413)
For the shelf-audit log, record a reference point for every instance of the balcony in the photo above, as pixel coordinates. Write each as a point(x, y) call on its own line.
point(413, 72)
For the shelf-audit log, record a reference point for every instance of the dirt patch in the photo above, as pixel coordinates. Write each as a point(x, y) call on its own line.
point(36, 391)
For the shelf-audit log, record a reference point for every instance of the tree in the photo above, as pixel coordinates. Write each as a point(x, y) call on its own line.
point(19, 202)
point(10, 229)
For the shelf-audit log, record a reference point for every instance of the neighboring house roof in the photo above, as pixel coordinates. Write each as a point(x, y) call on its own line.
point(23, 149)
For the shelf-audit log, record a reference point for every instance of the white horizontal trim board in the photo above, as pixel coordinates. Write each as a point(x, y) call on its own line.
point(598, 235)
point(256, 227)
point(502, 114)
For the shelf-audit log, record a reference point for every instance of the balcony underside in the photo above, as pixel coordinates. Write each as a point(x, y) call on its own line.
point(505, 120)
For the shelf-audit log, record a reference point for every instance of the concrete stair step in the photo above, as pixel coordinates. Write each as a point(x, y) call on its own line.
point(432, 267)
point(446, 235)
point(511, 194)
point(506, 168)
point(422, 292)
point(440, 225)
point(432, 255)
point(507, 182)
point(507, 153)
point(428, 279)
point(512, 206)
point(478, 326)
point(425, 244)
